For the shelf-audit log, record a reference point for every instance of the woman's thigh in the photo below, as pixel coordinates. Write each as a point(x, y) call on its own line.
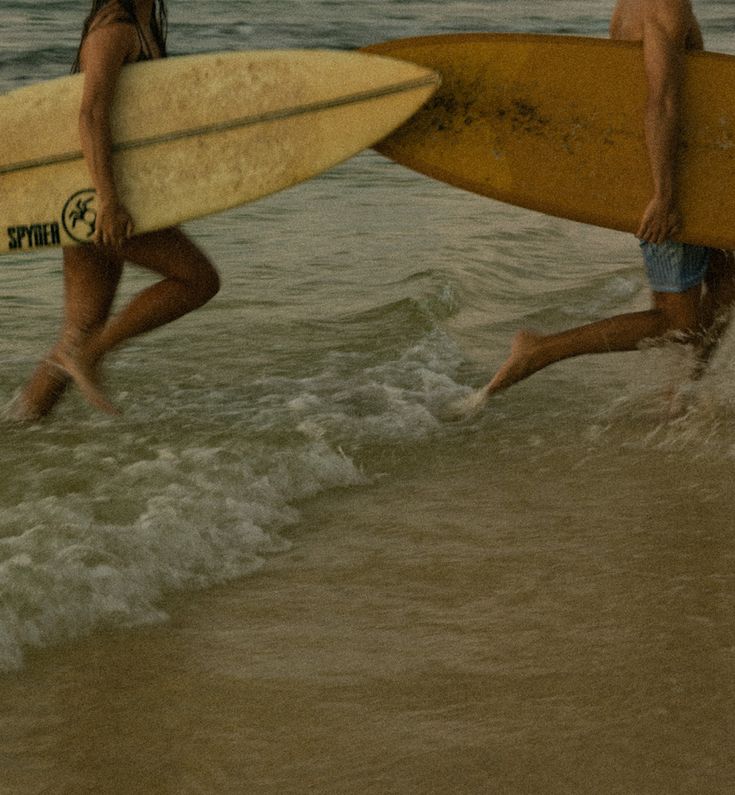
point(91, 279)
point(172, 254)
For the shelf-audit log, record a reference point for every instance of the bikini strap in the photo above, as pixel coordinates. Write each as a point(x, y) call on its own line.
point(127, 18)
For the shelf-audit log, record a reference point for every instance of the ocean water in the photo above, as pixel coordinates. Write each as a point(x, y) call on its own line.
point(282, 570)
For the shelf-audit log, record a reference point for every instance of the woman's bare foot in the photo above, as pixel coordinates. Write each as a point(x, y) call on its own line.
point(40, 395)
point(18, 410)
point(84, 375)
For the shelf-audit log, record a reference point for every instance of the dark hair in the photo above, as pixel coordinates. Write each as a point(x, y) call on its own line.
point(158, 22)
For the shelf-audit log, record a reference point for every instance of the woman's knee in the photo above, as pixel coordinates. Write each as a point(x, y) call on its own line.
point(194, 267)
point(173, 255)
point(205, 281)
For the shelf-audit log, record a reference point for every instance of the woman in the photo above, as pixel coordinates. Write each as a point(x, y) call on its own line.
point(116, 32)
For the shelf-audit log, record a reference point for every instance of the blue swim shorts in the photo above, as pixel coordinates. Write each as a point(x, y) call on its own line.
point(675, 267)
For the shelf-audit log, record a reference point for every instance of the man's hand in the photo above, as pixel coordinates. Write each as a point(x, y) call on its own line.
point(661, 221)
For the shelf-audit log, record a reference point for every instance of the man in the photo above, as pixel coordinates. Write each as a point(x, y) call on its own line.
point(691, 285)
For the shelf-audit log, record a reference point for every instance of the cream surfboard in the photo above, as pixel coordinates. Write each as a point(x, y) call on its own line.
point(195, 135)
point(555, 124)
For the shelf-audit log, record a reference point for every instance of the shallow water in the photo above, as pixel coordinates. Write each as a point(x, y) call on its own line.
point(283, 570)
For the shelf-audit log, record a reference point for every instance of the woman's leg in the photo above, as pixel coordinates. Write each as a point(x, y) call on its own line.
point(91, 278)
point(190, 280)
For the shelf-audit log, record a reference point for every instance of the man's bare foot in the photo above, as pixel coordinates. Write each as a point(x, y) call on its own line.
point(85, 377)
point(465, 408)
point(518, 365)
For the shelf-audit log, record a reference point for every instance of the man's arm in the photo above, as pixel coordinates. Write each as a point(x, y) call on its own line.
point(666, 25)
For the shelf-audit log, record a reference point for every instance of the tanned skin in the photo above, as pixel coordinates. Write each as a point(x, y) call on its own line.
point(666, 29)
point(92, 272)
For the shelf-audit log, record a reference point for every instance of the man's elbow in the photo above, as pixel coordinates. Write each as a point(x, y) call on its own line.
point(664, 101)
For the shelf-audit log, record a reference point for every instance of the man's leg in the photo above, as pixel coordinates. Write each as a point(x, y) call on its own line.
point(673, 314)
point(716, 306)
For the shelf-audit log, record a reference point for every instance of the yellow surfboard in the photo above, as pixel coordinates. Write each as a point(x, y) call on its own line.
point(195, 135)
point(555, 124)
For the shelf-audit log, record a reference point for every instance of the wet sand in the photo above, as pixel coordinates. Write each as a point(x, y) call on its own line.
point(402, 649)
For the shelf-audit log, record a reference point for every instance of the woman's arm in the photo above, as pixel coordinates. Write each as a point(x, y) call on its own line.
point(106, 50)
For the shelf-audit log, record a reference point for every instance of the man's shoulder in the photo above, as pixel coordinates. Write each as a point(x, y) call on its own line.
point(673, 20)
point(668, 12)
point(637, 19)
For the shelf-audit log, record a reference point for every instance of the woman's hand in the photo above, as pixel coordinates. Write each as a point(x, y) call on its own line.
point(114, 225)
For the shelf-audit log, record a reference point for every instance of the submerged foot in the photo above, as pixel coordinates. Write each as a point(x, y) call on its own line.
point(19, 410)
point(85, 377)
point(519, 365)
point(39, 396)
point(465, 408)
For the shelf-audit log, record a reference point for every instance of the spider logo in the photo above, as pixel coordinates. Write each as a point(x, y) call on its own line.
point(80, 216)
